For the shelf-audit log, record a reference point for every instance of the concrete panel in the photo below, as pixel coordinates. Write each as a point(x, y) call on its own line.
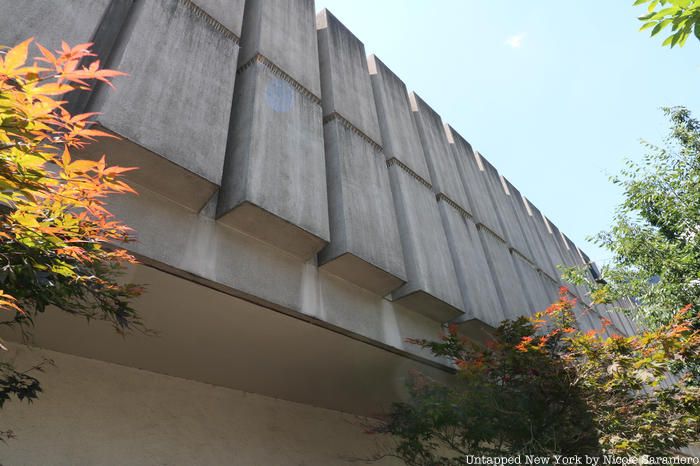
point(345, 84)
point(511, 292)
point(479, 291)
point(74, 22)
point(398, 129)
point(441, 161)
point(569, 259)
point(532, 283)
point(365, 246)
point(227, 12)
point(474, 182)
point(284, 32)
point(432, 286)
point(504, 208)
point(538, 223)
point(539, 255)
point(274, 183)
point(173, 118)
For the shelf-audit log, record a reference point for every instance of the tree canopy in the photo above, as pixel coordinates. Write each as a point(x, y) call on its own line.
point(542, 386)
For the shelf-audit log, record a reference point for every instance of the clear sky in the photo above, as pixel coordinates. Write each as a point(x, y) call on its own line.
point(556, 94)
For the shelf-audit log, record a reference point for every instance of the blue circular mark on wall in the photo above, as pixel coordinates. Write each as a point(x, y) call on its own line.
point(279, 95)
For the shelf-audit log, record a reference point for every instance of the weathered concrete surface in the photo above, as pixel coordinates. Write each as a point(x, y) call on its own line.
point(504, 209)
point(365, 247)
point(103, 414)
point(432, 287)
point(345, 84)
point(201, 249)
point(569, 259)
point(511, 292)
point(172, 117)
point(532, 238)
point(284, 32)
point(531, 279)
point(398, 129)
point(479, 292)
point(74, 22)
point(474, 182)
point(227, 12)
point(539, 224)
point(441, 161)
point(274, 182)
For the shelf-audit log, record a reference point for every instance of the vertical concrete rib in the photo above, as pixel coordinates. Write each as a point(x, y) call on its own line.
point(510, 290)
point(172, 117)
point(432, 287)
point(504, 209)
point(365, 247)
point(274, 182)
point(439, 157)
point(475, 183)
point(399, 132)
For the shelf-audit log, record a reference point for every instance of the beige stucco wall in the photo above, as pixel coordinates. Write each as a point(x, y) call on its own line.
point(98, 413)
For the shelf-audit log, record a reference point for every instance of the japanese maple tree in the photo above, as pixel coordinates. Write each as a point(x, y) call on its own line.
point(55, 230)
point(542, 386)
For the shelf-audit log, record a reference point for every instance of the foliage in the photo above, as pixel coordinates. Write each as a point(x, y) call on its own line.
point(655, 236)
point(682, 15)
point(54, 224)
point(544, 387)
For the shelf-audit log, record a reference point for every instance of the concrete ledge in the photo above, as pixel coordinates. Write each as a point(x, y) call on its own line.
point(430, 306)
point(265, 226)
point(362, 273)
point(275, 161)
point(158, 173)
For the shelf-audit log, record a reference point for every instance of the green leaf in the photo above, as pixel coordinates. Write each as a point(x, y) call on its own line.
point(668, 41)
point(659, 26)
point(639, 2)
point(647, 25)
point(697, 30)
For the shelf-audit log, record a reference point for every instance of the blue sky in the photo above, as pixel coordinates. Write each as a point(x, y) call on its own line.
point(556, 94)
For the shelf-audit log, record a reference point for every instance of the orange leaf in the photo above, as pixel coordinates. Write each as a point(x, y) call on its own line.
point(17, 55)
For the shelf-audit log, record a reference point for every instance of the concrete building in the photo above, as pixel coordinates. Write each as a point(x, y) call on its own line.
point(301, 214)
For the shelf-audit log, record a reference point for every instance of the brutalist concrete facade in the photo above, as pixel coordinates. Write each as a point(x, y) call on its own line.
point(298, 184)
